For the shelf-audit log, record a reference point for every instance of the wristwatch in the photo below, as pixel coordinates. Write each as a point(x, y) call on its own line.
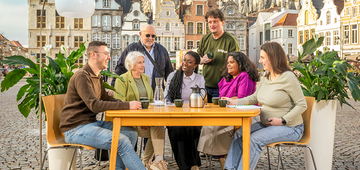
point(283, 121)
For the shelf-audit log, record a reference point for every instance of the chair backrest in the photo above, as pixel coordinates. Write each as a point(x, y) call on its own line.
point(307, 120)
point(53, 106)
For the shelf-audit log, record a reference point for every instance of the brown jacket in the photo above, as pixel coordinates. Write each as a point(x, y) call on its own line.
point(85, 97)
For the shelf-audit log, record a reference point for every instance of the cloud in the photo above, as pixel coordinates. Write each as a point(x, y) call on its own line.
point(14, 20)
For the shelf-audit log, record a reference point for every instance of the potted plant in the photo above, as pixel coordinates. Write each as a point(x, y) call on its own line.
point(55, 78)
point(327, 79)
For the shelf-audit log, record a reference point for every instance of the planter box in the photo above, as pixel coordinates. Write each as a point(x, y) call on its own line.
point(322, 135)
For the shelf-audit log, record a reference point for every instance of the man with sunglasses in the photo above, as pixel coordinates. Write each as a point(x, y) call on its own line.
point(157, 52)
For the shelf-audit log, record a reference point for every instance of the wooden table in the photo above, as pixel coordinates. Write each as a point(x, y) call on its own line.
point(210, 115)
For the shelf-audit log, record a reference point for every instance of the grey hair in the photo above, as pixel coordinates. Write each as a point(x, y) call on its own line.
point(131, 59)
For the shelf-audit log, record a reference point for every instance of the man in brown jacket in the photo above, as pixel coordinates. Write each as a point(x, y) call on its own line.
point(85, 97)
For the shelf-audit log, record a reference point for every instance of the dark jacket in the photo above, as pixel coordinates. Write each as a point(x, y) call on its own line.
point(161, 58)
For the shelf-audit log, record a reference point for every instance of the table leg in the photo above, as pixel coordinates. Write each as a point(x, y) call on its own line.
point(114, 142)
point(246, 142)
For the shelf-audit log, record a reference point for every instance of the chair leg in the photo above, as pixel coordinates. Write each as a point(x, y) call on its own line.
point(80, 155)
point(312, 156)
point(268, 157)
point(210, 164)
point(72, 159)
point(280, 159)
point(100, 156)
point(46, 151)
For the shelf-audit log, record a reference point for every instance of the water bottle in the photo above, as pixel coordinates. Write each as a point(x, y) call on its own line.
point(159, 92)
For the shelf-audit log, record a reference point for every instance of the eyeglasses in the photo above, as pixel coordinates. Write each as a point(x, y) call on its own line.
point(105, 53)
point(148, 35)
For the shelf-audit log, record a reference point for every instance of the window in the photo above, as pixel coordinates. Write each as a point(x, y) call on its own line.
point(199, 10)
point(199, 28)
point(167, 13)
point(59, 40)
point(290, 33)
point(96, 37)
point(136, 38)
point(346, 34)
point(207, 28)
point(335, 20)
point(347, 11)
point(307, 35)
point(320, 22)
point(177, 43)
point(106, 22)
point(41, 42)
point(176, 24)
point(96, 20)
point(197, 44)
point(306, 17)
point(276, 33)
point(43, 58)
point(106, 4)
point(230, 26)
point(321, 34)
point(328, 18)
point(126, 41)
point(158, 40)
point(60, 21)
point(354, 34)
point(136, 13)
point(43, 1)
point(167, 43)
point(78, 23)
point(261, 38)
point(280, 33)
point(354, 11)
point(301, 37)
point(312, 32)
point(106, 39)
point(116, 21)
point(290, 48)
point(116, 41)
point(38, 19)
point(167, 27)
point(328, 38)
point(336, 37)
point(115, 59)
point(272, 34)
point(267, 32)
point(136, 24)
point(190, 45)
point(78, 40)
point(242, 42)
point(79, 61)
point(190, 28)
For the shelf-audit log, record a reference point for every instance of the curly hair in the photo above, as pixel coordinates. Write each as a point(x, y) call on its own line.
point(175, 87)
point(215, 13)
point(244, 65)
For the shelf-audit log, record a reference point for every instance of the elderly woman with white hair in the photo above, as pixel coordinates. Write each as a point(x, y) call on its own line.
point(133, 85)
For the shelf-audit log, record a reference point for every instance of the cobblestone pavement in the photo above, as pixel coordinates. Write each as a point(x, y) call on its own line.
point(19, 141)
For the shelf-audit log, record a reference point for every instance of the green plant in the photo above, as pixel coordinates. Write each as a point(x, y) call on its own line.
point(326, 76)
point(55, 78)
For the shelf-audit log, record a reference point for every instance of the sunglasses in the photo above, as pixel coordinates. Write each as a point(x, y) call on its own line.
point(148, 35)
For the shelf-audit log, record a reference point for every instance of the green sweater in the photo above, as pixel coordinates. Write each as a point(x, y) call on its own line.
point(281, 98)
point(220, 48)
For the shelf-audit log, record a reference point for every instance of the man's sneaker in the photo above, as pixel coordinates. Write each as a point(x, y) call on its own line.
point(160, 165)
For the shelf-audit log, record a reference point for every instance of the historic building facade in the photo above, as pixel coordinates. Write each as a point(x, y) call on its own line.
point(9, 48)
point(56, 30)
point(170, 31)
point(306, 21)
point(235, 23)
point(106, 26)
point(284, 32)
point(350, 23)
point(328, 24)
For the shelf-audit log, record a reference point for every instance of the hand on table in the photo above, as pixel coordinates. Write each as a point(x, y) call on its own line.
point(135, 105)
point(230, 101)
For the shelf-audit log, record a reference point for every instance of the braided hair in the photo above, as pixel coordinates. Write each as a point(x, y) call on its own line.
point(175, 87)
point(244, 65)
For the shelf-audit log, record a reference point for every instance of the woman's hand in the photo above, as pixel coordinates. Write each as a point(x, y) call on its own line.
point(134, 105)
point(274, 122)
point(230, 101)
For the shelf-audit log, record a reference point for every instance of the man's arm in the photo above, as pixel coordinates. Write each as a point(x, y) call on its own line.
point(168, 66)
point(203, 57)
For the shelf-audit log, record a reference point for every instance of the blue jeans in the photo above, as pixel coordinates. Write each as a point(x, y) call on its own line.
point(99, 135)
point(211, 92)
point(260, 135)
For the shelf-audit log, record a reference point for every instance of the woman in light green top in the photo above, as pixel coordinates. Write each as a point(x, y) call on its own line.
point(133, 85)
point(283, 102)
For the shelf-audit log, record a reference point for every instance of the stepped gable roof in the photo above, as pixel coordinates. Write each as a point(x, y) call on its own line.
point(288, 19)
point(339, 5)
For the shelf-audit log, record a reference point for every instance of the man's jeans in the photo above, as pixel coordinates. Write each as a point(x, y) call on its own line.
point(211, 92)
point(99, 135)
point(260, 135)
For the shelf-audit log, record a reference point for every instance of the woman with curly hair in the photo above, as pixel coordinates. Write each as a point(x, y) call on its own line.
point(184, 139)
point(239, 80)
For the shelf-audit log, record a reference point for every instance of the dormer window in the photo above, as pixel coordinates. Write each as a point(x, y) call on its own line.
point(167, 27)
point(136, 13)
point(136, 24)
point(106, 4)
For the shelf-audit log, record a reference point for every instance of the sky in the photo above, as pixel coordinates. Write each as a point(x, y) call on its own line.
point(14, 20)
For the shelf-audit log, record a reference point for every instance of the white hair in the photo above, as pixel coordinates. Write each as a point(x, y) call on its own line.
point(131, 59)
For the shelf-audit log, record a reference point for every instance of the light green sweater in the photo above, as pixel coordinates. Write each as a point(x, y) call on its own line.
point(281, 98)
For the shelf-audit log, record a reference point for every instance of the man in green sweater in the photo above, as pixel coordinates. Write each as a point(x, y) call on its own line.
point(214, 47)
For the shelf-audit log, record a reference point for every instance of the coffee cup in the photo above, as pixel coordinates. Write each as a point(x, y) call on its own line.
point(210, 55)
point(222, 102)
point(179, 102)
point(143, 98)
point(215, 100)
point(145, 104)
